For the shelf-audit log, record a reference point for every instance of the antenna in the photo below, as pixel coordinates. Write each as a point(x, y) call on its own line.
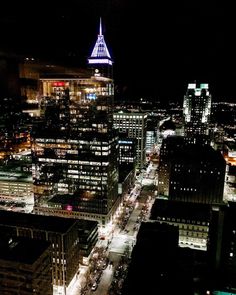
point(100, 27)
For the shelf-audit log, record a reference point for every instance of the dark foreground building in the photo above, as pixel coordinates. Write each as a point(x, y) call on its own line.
point(25, 267)
point(153, 266)
point(192, 221)
point(191, 172)
point(61, 233)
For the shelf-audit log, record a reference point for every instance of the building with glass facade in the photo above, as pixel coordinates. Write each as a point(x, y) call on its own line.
point(133, 125)
point(75, 149)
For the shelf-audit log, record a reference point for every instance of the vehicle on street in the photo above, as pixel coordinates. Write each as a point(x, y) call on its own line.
point(94, 287)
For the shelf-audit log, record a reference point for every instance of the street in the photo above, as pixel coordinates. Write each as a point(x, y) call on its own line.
point(117, 246)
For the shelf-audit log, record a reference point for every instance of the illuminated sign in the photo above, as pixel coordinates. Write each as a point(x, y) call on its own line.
point(69, 208)
point(91, 96)
point(58, 84)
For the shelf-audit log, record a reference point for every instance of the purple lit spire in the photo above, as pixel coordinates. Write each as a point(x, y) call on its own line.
point(100, 53)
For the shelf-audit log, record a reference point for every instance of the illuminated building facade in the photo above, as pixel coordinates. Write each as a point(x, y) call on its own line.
point(151, 140)
point(134, 125)
point(14, 133)
point(75, 150)
point(151, 136)
point(196, 110)
point(100, 61)
point(127, 152)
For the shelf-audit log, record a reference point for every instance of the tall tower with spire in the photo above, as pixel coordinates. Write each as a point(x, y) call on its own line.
point(100, 60)
point(75, 149)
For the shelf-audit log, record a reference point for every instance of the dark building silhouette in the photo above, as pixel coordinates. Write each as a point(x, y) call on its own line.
point(223, 238)
point(154, 261)
point(169, 146)
point(88, 237)
point(191, 172)
point(61, 233)
point(197, 175)
point(193, 222)
point(25, 267)
point(9, 76)
point(13, 130)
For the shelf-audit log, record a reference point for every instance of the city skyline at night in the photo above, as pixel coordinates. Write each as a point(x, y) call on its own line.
point(117, 149)
point(167, 46)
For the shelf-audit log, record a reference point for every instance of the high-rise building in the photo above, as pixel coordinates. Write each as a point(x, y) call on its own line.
point(100, 60)
point(75, 150)
point(127, 151)
point(169, 146)
point(151, 136)
point(133, 125)
point(222, 251)
point(191, 172)
point(196, 110)
point(197, 175)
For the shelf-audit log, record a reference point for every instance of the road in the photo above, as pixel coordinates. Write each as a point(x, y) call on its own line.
point(122, 241)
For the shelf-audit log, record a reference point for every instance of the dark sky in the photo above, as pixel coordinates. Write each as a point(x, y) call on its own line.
point(157, 46)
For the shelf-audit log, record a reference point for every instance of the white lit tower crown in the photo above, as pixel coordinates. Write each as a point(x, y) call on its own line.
point(196, 110)
point(100, 60)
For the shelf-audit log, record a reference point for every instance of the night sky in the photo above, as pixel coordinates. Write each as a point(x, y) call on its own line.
point(157, 46)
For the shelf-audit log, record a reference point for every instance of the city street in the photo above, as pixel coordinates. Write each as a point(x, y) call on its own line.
point(121, 241)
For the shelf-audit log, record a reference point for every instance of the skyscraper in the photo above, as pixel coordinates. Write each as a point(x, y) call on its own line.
point(133, 125)
point(100, 60)
point(196, 110)
point(190, 172)
point(75, 151)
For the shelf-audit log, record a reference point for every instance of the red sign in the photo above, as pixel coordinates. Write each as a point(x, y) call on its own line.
point(58, 84)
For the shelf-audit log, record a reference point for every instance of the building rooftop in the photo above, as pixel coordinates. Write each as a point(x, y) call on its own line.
point(22, 250)
point(195, 153)
point(86, 225)
point(182, 210)
point(33, 221)
point(15, 177)
point(12, 172)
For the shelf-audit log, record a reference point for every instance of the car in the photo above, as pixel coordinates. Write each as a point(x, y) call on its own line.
point(94, 287)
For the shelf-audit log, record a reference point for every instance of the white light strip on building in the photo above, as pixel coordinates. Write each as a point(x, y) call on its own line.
point(100, 61)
